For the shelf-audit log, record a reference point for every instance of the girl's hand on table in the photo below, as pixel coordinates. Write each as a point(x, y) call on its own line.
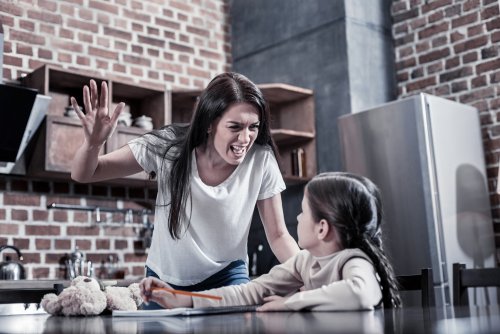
point(151, 291)
point(273, 303)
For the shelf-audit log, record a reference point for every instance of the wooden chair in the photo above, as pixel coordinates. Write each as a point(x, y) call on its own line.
point(423, 282)
point(464, 278)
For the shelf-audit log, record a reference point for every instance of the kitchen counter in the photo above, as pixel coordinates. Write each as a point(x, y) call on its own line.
point(32, 291)
point(406, 320)
point(49, 283)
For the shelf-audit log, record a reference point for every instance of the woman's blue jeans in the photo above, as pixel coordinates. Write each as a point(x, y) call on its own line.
point(235, 273)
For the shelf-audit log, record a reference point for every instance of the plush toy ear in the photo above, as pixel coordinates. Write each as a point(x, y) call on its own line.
point(50, 303)
point(136, 293)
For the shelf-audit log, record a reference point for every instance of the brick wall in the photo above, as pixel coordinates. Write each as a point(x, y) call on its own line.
point(178, 43)
point(46, 236)
point(451, 49)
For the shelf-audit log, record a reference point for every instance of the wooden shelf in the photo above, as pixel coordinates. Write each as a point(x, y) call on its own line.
point(61, 136)
point(58, 140)
point(292, 126)
point(290, 137)
point(284, 93)
point(292, 119)
point(293, 180)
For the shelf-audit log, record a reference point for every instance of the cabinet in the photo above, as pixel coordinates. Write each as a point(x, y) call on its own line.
point(60, 136)
point(292, 124)
point(293, 128)
point(292, 119)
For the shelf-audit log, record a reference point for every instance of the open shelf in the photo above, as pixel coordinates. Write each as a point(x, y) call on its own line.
point(291, 107)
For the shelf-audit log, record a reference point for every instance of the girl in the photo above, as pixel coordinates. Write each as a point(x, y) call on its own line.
point(211, 174)
point(342, 265)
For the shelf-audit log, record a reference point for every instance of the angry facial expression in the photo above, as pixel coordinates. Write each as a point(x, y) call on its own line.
point(235, 132)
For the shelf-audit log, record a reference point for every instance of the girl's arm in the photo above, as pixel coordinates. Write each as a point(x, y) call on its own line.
point(283, 279)
point(358, 290)
point(281, 242)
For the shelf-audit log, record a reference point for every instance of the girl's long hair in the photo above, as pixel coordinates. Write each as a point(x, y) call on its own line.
point(352, 204)
point(222, 92)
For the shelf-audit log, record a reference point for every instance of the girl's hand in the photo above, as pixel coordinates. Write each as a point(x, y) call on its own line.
point(150, 292)
point(273, 303)
point(97, 124)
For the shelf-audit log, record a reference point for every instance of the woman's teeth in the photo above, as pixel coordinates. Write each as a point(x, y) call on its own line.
point(238, 150)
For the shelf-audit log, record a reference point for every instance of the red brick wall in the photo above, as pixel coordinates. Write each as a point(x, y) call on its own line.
point(178, 43)
point(452, 49)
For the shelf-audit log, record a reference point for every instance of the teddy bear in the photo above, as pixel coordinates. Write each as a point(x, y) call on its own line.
point(85, 297)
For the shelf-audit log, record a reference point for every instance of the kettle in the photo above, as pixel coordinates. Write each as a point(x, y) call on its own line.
point(12, 270)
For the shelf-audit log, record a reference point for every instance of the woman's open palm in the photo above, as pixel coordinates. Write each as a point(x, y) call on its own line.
point(97, 124)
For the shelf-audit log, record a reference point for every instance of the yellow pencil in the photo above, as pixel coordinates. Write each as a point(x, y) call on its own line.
point(189, 293)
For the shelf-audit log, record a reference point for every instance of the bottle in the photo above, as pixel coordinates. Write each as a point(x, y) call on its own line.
point(295, 162)
point(301, 157)
point(103, 272)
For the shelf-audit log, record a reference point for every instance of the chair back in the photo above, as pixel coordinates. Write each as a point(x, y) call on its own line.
point(464, 278)
point(423, 282)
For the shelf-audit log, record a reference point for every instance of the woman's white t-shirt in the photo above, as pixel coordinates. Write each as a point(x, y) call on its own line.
point(220, 216)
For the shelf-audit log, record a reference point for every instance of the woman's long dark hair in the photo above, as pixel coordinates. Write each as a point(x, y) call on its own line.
point(352, 204)
point(223, 91)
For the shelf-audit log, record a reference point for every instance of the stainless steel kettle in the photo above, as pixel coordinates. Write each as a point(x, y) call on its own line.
point(12, 270)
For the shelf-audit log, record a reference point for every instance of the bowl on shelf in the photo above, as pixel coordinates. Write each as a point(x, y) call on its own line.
point(70, 112)
point(144, 122)
point(125, 118)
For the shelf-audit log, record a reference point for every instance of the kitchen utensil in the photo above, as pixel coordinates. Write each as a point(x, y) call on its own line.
point(70, 269)
point(90, 269)
point(12, 270)
point(146, 232)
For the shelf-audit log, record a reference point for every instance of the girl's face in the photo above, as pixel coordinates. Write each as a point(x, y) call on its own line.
point(307, 227)
point(235, 132)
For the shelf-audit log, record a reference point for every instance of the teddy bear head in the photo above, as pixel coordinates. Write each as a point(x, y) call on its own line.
point(83, 297)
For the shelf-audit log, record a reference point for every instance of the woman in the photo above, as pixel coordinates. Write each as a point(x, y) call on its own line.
point(210, 174)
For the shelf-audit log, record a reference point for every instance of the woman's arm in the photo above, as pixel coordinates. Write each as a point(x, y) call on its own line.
point(87, 167)
point(98, 125)
point(281, 242)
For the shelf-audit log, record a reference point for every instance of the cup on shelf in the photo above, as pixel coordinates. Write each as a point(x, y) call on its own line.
point(70, 112)
point(125, 118)
point(144, 122)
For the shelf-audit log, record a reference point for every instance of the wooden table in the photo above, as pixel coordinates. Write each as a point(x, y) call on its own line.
point(406, 320)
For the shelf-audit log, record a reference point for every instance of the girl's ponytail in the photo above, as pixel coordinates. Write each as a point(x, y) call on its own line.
point(390, 294)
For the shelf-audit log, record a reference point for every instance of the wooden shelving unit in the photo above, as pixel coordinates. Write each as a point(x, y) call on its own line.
point(292, 122)
point(61, 136)
point(292, 119)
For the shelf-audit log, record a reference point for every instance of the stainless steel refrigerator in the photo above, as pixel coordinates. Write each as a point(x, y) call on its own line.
point(426, 155)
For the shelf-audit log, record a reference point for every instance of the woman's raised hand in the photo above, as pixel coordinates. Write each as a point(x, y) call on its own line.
point(98, 124)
